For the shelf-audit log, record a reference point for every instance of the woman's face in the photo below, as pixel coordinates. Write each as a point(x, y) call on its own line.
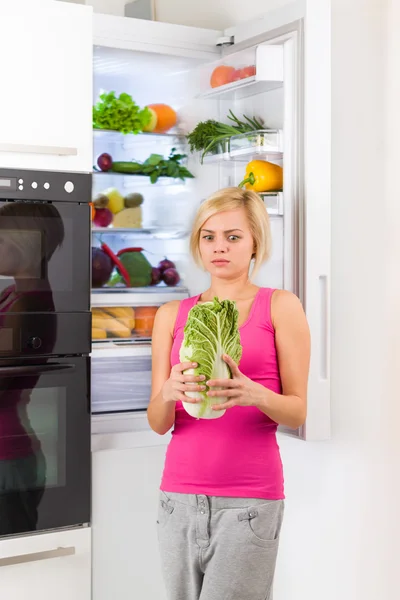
point(226, 244)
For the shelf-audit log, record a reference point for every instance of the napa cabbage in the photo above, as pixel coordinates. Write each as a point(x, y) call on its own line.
point(211, 330)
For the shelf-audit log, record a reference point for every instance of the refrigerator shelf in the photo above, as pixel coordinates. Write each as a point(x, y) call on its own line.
point(242, 74)
point(147, 296)
point(129, 181)
point(273, 202)
point(148, 232)
point(242, 147)
point(131, 140)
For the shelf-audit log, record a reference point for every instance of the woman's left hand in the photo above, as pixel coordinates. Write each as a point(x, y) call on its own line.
point(238, 391)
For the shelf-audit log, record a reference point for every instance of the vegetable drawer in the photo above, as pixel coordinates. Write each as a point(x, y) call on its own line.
point(121, 377)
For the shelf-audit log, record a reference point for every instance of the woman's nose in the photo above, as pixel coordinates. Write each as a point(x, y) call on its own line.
point(220, 246)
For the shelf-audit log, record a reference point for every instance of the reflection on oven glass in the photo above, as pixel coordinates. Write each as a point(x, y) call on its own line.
point(29, 236)
point(32, 452)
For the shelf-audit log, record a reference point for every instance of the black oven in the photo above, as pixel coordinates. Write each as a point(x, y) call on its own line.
point(45, 240)
point(44, 444)
point(45, 343)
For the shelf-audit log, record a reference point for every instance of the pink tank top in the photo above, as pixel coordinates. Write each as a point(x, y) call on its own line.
point(236, 455)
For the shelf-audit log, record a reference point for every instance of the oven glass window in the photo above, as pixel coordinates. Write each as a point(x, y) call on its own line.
point(44, 257)
point(32, 452)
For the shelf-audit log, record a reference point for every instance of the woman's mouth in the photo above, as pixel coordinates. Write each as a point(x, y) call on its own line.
point(220, 262)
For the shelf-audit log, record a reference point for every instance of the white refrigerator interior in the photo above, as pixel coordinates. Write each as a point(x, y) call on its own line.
point(161, 63)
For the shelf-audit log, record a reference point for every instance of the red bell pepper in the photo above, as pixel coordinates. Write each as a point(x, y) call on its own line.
point(124, 273)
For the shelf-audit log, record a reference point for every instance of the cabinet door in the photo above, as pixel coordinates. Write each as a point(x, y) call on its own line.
point(46, 100)
point(124, 513)
point(51, 565)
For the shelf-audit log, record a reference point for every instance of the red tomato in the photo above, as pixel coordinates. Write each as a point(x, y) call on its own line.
point(221, 76)
point(248, 72)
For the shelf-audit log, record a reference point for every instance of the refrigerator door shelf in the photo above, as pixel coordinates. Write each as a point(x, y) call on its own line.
point(134, 181)
point(262, 143)
point(242, 74)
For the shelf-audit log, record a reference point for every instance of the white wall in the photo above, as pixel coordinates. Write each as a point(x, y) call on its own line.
point(207, 13)
point(341, 534)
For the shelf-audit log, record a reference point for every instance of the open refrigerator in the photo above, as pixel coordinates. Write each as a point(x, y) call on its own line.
point(173, 65)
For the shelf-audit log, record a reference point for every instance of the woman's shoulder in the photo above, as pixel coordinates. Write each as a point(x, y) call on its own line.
point(284, 303)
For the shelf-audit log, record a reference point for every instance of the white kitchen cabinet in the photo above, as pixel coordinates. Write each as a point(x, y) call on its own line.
point(47, 566)
point(125, 499)
point(46, 101)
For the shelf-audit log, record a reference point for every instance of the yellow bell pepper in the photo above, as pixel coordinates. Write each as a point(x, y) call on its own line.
point(263, 176)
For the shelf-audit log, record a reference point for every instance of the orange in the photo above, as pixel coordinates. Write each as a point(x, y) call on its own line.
point(222, 75)
point(166, 117)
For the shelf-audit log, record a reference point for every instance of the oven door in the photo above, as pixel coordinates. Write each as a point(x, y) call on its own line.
point(45, 464)
point(44, 257)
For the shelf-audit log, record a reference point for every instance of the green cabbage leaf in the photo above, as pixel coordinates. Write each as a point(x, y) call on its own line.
point(211, 330)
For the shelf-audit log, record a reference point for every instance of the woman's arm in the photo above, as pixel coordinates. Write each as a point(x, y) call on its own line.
point(161, 414)
point(292, 339)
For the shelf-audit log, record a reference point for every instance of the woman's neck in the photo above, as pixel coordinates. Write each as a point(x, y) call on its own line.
point(237, 289)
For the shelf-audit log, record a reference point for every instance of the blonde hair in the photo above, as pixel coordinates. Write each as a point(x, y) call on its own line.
point(233, 198)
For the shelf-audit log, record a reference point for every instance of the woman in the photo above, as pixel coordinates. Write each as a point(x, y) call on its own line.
point(222, 495)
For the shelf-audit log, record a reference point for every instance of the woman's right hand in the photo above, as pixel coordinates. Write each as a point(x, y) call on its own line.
point(175, 387)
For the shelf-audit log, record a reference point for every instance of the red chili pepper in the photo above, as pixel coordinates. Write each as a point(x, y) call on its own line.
point(124, 273)
point(129, 250)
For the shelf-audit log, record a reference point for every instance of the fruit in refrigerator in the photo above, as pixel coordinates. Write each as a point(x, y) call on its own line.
point(132, 200)
point(249, 71)
point(124, 314)
point(155, 276)
point(104, 162)
point(103, 217)
point(145, 320)
point(100, 201)
point(138, 268)
point(221, 76)
point(263, 176)
point(98, 334)
point(102, 267)
point(171, 277)
point(116, 201)
point(166, 264)
point(129, 218)
point(166, 117)
point(150, 127)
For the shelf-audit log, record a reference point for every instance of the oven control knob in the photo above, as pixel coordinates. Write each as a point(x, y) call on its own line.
point(34, 343)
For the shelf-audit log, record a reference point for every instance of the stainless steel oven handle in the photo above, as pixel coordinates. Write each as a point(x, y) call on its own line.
point(20, 559)
point(31, 149)
point(33, 370)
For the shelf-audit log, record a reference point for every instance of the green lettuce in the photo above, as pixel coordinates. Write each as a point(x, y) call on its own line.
point(120, 114)
point(211, 330)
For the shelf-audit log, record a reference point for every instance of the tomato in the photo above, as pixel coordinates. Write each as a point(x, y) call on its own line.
point(237, 75)
point(221, 76)
point(247, 72)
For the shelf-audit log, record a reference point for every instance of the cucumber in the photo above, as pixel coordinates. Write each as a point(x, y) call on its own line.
point(126, 167)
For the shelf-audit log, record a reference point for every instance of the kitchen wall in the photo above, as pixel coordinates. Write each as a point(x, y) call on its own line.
point(207, 13)
point(341, 535)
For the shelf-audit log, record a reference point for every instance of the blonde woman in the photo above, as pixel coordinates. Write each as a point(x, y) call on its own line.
point(222, 491)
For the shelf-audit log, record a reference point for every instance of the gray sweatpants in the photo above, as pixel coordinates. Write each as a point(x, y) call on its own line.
point(215, 548)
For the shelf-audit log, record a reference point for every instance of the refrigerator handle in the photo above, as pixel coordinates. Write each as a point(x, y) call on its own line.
point(33, 149)
point(324, 327)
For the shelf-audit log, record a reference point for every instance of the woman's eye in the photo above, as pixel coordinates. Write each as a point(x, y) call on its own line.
point(207, 237)
point(234, 238)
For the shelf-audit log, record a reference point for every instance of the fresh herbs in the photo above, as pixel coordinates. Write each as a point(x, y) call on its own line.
point(207, 135)
point(156, 166)
point(120, 114)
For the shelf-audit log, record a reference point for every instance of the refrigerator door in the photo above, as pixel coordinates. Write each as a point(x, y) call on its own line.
point(307, 167)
